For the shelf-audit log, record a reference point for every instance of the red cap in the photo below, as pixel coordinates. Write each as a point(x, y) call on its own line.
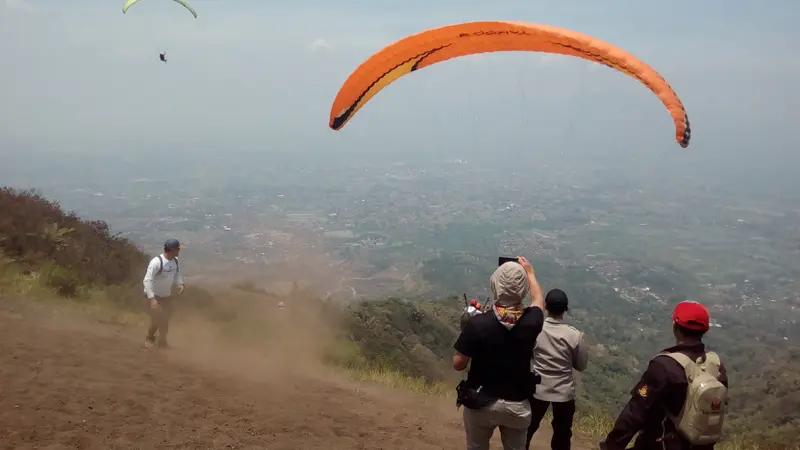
point(691, 315)
point(473, 302)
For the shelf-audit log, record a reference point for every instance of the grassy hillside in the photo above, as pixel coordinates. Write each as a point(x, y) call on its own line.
point(624, 335)
point(69, 254)
point(398, 341)
point(45, 250)
point(49, 253)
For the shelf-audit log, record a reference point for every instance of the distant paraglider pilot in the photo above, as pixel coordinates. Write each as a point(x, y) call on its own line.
point(163, 57)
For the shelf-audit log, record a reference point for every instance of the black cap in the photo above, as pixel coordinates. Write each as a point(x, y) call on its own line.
point(172, 244)
point(557, 298)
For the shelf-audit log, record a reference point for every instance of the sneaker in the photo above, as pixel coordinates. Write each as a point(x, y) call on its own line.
point(149, 342)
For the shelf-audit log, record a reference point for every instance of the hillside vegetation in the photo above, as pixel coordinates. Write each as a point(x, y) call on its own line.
point(48, 253)
point(47, 250)
point(624, 335)
point(68, 253)
point(416, 338)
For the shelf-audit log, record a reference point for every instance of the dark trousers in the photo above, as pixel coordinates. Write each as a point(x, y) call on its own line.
point(159, 319)
point(563, 413)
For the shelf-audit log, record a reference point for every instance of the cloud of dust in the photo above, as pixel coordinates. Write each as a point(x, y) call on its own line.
point(263, 342)
point(294, 256)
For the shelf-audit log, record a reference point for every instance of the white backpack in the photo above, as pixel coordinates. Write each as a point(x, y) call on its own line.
point(468, 313)
point(703, 412)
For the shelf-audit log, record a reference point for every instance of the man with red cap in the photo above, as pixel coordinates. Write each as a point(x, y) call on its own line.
point(656, 409)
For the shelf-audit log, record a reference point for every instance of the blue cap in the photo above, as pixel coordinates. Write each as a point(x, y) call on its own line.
point(172, 244)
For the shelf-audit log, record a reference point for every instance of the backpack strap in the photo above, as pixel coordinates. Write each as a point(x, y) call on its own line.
point(682, 359)
point(161, 265)
point(710, 363)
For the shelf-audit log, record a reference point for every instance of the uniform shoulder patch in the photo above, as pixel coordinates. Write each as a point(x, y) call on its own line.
point(643, 390)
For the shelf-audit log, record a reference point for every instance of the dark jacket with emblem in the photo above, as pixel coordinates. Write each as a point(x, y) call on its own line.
point(662, 386)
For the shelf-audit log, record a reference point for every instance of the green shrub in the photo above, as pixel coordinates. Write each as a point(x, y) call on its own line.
point(63, 281)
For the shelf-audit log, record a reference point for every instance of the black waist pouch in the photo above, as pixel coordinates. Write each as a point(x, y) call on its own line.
point(472, 398)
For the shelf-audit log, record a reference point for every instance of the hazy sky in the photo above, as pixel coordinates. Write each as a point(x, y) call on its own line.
point(81, 76)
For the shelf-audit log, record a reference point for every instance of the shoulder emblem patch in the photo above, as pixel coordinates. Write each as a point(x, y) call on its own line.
point(642, 391)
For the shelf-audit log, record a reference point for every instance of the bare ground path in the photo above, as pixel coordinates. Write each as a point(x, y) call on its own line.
point(70, 382)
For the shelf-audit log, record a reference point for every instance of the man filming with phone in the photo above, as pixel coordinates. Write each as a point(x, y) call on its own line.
point(498, 344)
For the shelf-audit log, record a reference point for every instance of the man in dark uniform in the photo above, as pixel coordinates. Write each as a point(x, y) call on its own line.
point(663, 388)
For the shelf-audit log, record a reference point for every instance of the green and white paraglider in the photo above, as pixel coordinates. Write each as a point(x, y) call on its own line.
point(130, 3)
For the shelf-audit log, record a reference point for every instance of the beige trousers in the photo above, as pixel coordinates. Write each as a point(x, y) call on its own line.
point(159, 319)
point(512, 418)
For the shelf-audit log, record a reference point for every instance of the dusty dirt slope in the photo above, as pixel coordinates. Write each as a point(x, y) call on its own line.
point(68, 382)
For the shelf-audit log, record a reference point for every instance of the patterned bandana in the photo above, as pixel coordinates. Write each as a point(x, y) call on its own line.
point(508, 315)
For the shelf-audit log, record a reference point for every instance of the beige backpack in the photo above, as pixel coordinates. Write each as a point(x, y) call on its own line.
point(703, 412)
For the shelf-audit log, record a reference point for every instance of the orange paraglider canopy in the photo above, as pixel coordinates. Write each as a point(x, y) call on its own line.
point(431, 46)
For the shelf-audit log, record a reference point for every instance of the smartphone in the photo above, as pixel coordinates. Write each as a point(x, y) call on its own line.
point(504, 259)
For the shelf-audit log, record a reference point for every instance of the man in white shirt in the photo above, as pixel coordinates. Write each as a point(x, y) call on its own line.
point(559, 350)
point(161, 275)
